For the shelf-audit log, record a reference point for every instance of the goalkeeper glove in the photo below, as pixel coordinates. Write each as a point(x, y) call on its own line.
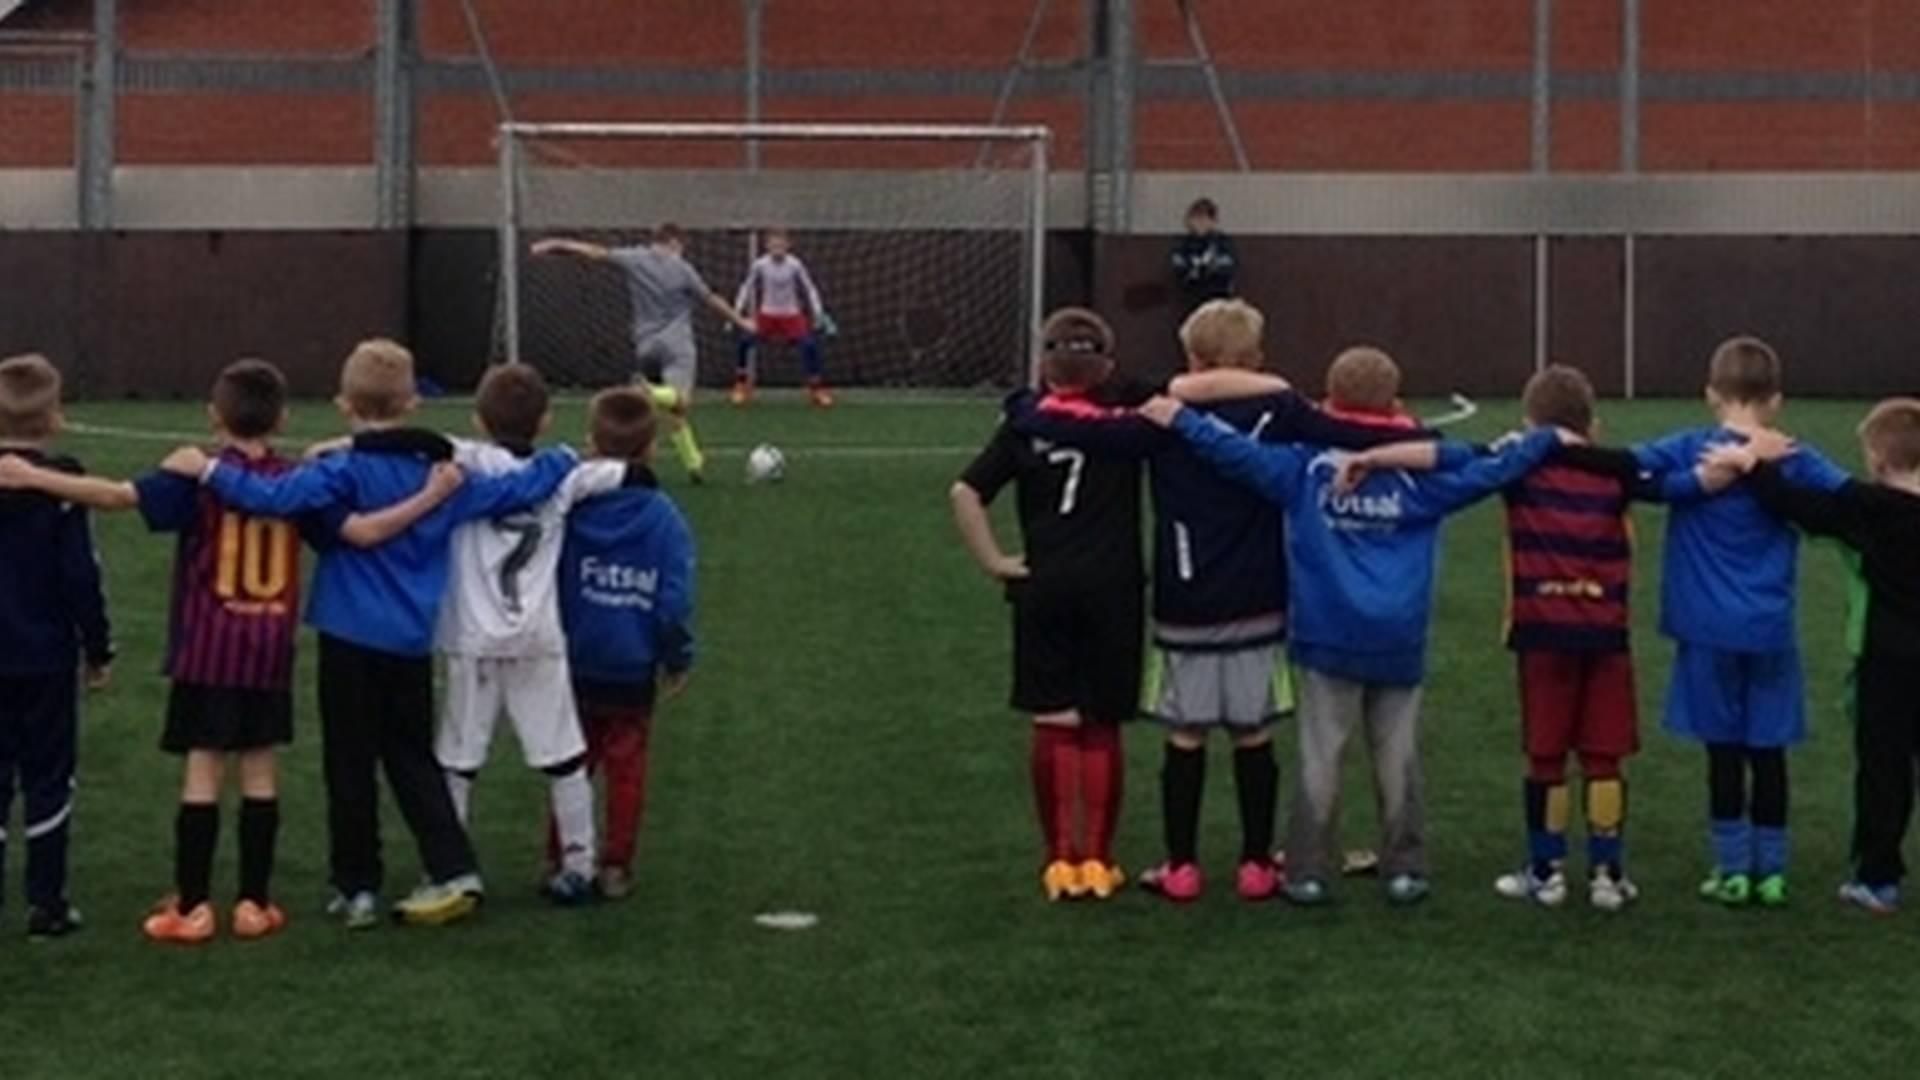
point(826, 325)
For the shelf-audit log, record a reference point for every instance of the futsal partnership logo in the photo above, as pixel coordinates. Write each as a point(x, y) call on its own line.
point(1355, 510)
point(617, 585)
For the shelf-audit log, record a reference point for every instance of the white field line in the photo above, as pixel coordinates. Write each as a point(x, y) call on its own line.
point(854, 452)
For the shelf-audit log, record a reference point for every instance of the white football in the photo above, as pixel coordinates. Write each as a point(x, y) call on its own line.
point(766, 464)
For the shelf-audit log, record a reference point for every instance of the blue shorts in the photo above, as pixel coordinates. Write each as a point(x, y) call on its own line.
point(1743, 699)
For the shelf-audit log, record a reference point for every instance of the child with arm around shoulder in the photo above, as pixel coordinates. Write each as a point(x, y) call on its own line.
point(626, 599)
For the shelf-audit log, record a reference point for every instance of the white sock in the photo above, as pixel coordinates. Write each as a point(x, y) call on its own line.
point(460, 786)
point(573, 815)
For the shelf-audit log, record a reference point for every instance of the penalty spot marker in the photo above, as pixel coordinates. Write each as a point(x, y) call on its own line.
point(787, 920)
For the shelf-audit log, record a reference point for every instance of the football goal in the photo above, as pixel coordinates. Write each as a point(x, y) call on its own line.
point(926, 244)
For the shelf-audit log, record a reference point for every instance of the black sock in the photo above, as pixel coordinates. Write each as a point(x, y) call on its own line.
point(1256, 778)
point(1182, 778)
point(259, 827)
point(1769, 787)
point(196, 831)
point(1726, 782)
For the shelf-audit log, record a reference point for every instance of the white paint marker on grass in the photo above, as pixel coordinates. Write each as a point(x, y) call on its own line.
point(787, 920)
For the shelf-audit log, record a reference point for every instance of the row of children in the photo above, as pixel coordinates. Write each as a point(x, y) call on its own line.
point(559, 592)
point(1294, 536)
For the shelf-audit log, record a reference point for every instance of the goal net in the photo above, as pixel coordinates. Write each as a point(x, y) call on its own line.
point(924, 242)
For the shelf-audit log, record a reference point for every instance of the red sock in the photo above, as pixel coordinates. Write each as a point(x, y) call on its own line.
point(1102, 775)
point(1055, 761)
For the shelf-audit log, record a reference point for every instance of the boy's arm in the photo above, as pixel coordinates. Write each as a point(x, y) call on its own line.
point(818, 306)
point(1272, 470)
point(314, 486)
point(995, 467)
point(483, 497)
point(591, 479)
point(376, 528)
point(743, 299)
point(673, 611)
point(1115, 432)
point(579, 249)
point(93, 491)
point(1674, 486)
point(427, 444)
point(1437, 494)
point(1225, 384)
point(79, 567)
point(1841, 513)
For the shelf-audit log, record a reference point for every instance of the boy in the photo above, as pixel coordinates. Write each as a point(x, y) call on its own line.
point(1880, 521)
point(1219, 586)
point(375, 611)
point(53, 619)
point(1569, 548)
point(500, 626)
point(786, 308)
point(1203, 260)
point(626, 596)
point(1076, 600)
point(1727, 600)
point(1362, 583)
point(664, 289)
point(230, 645)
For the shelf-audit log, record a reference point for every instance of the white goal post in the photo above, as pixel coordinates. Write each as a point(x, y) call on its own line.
point(927, 241)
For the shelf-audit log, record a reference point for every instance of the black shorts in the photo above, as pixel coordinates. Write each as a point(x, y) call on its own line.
point(226, 719)
point(1078, 649)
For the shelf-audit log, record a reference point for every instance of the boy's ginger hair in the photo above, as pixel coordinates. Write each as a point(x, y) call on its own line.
point(1559, 395)
point(622, 423)
point(1224, 333)
point(376, 382)
point(1744, 371)
point(1891, 435)
point(1364, 379)
point(29, 397)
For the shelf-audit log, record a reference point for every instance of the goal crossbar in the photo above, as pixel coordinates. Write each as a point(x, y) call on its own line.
point(777, 131)
point(513, 132)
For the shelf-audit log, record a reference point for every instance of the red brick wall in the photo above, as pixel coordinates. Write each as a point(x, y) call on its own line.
point(1340, 39)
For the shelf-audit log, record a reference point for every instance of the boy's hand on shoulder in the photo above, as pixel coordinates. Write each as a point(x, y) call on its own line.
point(16, 471)
point(1770, 445)
point(444, 479)
point(1350, 472)
point(1730, 459)
point(1569, 438)
point(328, 446)
point(99, 678)
point(1161, 410)
point(188, 461)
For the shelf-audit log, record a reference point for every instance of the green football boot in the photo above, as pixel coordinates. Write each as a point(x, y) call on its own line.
point(1732, 890)
point(1772, 891)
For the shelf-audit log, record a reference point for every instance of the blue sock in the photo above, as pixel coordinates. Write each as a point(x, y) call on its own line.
point(1546, 850)
point(1770, 850)
point(743, 355)
point(1606, 852)
point(810, 358)
point(1732, 846)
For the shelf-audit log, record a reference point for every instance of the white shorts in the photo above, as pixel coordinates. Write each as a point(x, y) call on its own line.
point(673, 351)
point(537, 694)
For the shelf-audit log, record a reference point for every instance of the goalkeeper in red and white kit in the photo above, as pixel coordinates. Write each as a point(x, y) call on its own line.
point(786, 309)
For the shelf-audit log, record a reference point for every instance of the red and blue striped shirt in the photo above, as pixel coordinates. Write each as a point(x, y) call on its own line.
point(236, 583)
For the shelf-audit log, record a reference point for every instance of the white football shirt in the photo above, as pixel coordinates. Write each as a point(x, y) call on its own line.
point(779, 287)
point(503, 595)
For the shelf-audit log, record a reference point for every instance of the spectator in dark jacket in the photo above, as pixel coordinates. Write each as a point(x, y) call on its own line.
point(1203, 260)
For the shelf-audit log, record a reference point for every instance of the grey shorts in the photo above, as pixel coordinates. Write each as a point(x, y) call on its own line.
point(1198, 684)
point(674, 354)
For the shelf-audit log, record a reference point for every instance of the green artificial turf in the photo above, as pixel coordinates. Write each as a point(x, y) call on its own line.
point(845, 750)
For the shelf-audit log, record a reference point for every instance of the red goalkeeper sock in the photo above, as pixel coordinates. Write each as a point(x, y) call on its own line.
point(1055, 763)
point(1102, 775)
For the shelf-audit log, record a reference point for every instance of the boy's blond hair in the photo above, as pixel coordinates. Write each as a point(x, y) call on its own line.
point(1744, 371)
point(1224, 333)
point(1364, 379)
point(29, 397)
point(1891, 435)
point(376, 382)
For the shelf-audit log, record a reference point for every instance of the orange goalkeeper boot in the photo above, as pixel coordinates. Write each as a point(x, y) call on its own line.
point(252, 921)
point(166, 924)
